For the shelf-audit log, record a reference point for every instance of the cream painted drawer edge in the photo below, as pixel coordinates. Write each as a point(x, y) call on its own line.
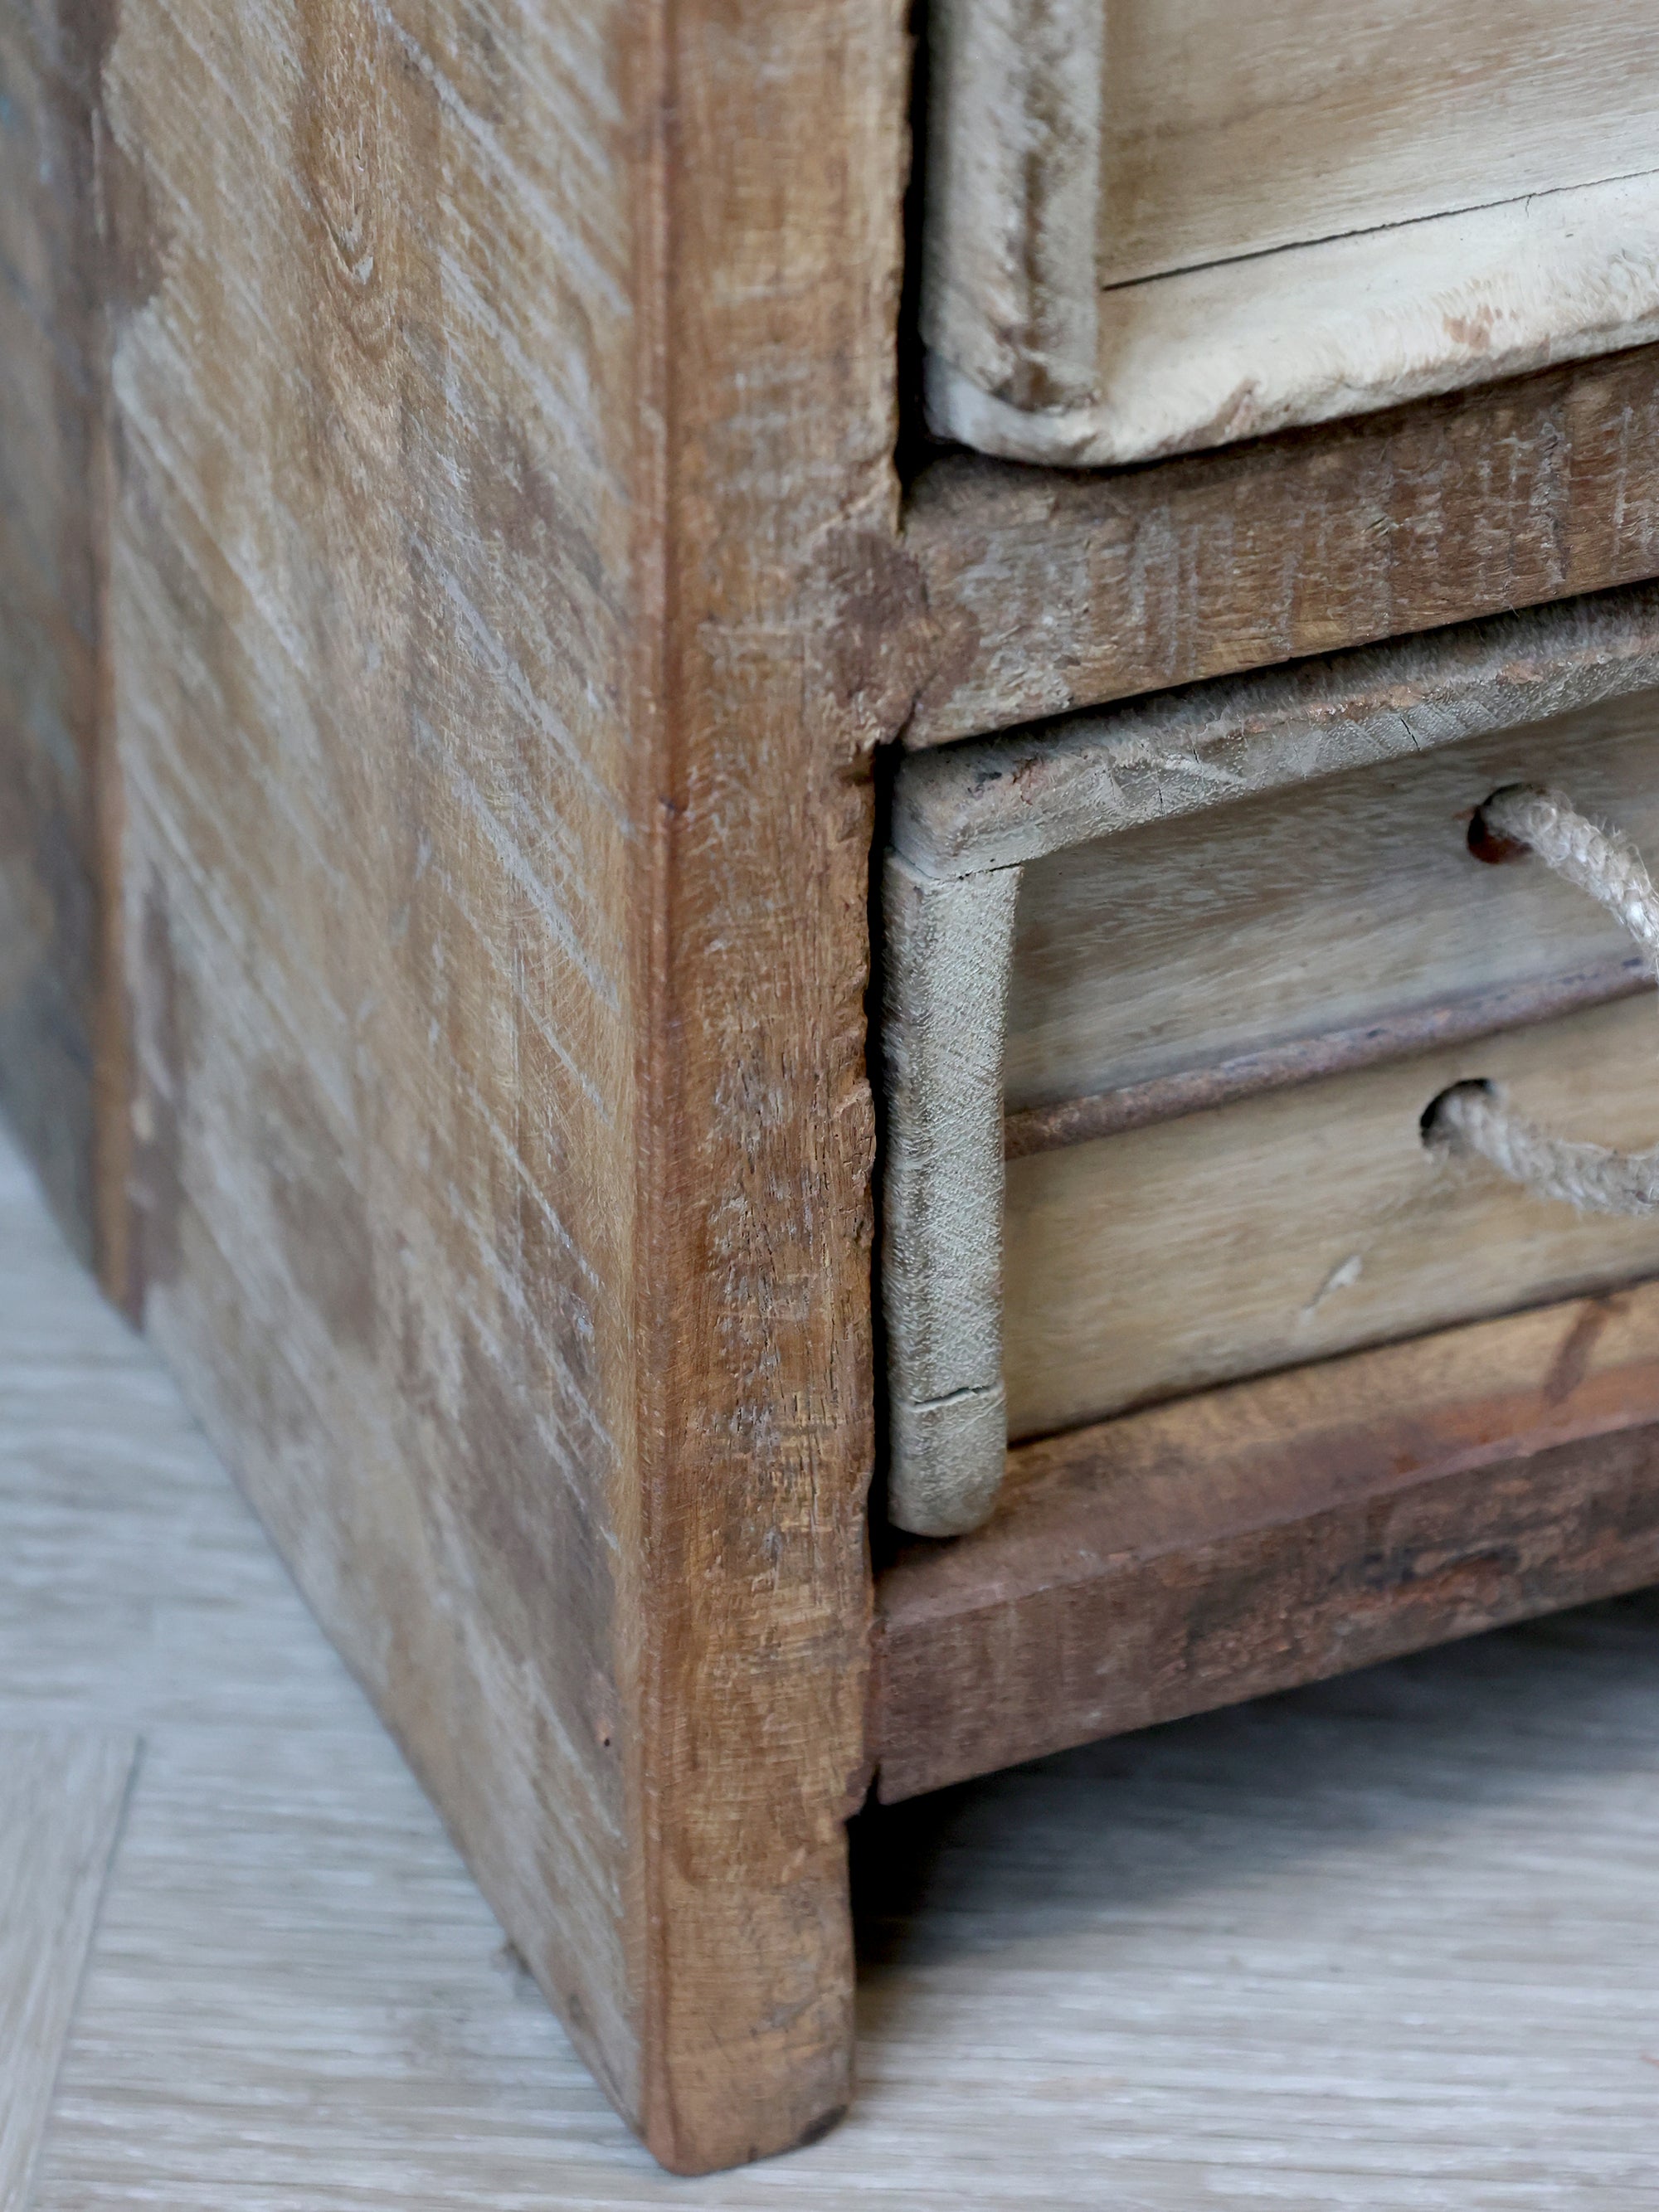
point(1037, 349)
point(966, 819)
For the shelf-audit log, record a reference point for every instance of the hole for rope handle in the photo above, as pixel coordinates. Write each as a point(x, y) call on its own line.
point(1475, 1116)
point(1495, 848)
point(1490, 845)
point(1434, 1121)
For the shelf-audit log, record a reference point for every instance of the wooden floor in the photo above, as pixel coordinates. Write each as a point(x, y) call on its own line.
point(1391, 1943)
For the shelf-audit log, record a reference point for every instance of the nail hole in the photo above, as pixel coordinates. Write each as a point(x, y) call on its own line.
point(1486, 844)
point(1428, 1120)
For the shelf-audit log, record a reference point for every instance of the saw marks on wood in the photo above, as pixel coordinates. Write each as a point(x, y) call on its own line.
point(1393, 1940)
point(60, 1806)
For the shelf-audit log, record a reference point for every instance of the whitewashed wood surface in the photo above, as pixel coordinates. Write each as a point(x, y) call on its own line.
point(1392, 1943)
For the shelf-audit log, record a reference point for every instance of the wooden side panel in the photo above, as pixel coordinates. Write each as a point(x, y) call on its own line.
point(499, 598)
point(1036, 591)
point(51, 420)
point(1273, 1533)
point(375, 654)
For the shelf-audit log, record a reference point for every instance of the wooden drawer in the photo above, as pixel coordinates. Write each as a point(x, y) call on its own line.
point(1310, 1220)
point(1198, 968)
point(1160, 224)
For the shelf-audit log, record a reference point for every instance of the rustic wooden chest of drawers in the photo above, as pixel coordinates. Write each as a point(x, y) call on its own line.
point(480, 606)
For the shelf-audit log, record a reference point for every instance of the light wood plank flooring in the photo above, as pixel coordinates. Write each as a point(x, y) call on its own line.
point(1392, 1943)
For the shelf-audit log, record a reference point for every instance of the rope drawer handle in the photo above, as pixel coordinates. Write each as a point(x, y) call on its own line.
point(1476, 1116)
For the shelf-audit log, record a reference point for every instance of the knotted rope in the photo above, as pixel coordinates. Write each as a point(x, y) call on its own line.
point(1475, 1116)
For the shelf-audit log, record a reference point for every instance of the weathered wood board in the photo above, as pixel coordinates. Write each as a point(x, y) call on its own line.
point(1229, 131)
point(1028, 592)
point(1267, 1534)
point(492, 726)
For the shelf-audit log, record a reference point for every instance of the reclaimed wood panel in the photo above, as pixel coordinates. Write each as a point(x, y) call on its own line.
point(505, 432)
point(1028, 592)
point(1273, 1533)
point(56, 1036)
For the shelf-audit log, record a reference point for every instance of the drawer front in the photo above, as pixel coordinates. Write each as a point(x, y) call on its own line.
point(1157, 224)
point(1348, 905)
point(1310, 1220)
point(1169, 991)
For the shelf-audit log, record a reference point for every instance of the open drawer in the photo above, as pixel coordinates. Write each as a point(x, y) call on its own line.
point(1154, 225)
point(1169, 992)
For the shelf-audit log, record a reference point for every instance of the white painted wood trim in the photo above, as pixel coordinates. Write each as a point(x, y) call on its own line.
point(1012, 178)
point(1206, 356)
point(968, 818)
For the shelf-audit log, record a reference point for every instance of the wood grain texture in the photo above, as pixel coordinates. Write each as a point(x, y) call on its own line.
point(1307, 1221)
point(1032, 593)
point(1316, 211)
point(57, 268)
point(1461, 1019)
point(1324, 907)
point(1011, 185)
point(61, 1795)
point(1224, 136)
point(505, 436)
point(1236, 350)
point(1270, 1533)
point(945, 957)
point(780, 274)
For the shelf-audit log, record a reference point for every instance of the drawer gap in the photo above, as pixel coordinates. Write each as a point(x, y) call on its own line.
point(1462, 1019)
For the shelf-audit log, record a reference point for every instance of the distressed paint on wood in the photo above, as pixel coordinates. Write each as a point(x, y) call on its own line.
point(1152, 228)
point(1274, 1532)
point(61, 1795)
point(59, 1042)
point(498, 624)
point(1031, 592)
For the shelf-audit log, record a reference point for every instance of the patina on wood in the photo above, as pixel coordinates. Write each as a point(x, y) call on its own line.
point(1039, 590)
point(497, 627)
point(1274, 1532)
